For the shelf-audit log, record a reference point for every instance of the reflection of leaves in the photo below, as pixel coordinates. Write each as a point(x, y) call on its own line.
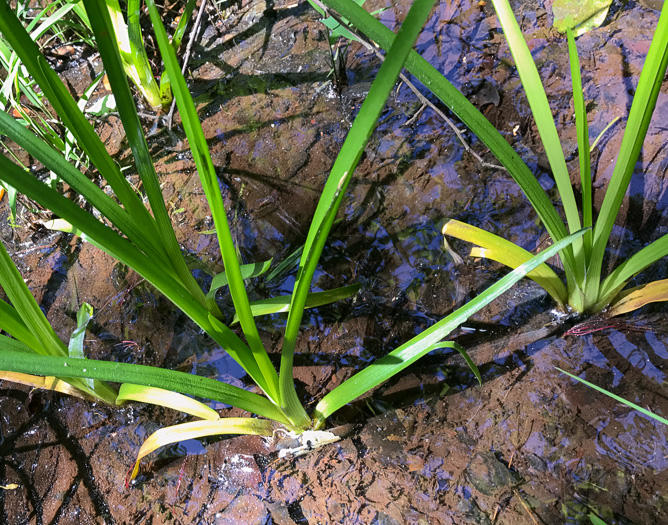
point(579, 15)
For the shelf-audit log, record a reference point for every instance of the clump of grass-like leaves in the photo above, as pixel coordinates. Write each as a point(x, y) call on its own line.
point(138, 238)
point(584, 290)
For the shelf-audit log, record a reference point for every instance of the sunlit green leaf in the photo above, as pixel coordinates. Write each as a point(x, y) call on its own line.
point(579, 15)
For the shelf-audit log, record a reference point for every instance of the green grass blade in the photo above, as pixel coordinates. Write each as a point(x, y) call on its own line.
point(642, 108)
point(632, 266)
point(139, 59)
point(470, 116)
point(13, 345)
point(285, 266)
point(462, 351)
point(77, 180)
point(121, 249)
point(22, 300)
point(336, 185)
point(183, 24)
point(48, 23)
point(207, 173)
point(12, 323)
point(179, 32)
point(108, 48)
point(140, 375)
point(583, 142)
point(247, 271)
point(391, 364)
point(616, 397)
point(67, 110)
point(32, 317)
point(281, 304)
point(540, 107)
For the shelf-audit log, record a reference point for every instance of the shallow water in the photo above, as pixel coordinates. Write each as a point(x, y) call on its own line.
point(529, 444)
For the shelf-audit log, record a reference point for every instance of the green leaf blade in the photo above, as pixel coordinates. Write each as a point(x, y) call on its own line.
point(335, 188)
point(408, 353)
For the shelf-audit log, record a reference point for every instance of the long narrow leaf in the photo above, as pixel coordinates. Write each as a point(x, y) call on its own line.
point(468, 114)
point(391, 364)
point(247, 271)
point(540, 107)
point(12, 323)
point(132, 229)
point(198, 429)
point(616, 397)
point(462, 351)
point(642, 108)
point(583, 141)
point(108, 48)
point(505, 252)
point(336, 185)
point(46, 383)
point(67, 110)
point(207, 174)
point(119, 248)
point(140, 375)
point(280, 304)
point(639, 296)
point(165, 398)
point(35, 321)
point(139, 59)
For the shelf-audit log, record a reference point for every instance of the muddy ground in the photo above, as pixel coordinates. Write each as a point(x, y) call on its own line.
point(432, 446)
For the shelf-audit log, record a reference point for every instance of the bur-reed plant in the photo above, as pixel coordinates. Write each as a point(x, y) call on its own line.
point(584, 290)
point(145, 242)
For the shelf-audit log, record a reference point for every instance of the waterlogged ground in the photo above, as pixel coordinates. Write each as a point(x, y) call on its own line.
point(528, 446)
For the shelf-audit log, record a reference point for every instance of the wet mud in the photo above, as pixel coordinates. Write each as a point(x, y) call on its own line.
point(527, 446)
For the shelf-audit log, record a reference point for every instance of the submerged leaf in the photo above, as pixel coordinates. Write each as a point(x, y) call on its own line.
point(580, 16)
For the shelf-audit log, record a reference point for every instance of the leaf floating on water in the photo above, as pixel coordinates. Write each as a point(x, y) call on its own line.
point(580, 16)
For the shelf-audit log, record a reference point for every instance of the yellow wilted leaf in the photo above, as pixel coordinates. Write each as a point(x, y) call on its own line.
point(498, 249)
point(634, 298)
point(165, 398)
point(47, 383)
point(198, 429)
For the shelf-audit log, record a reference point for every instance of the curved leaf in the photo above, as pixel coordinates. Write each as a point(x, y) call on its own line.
point(503, 251)
point(165, 398)
point(634, 298)
point(198, 429)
